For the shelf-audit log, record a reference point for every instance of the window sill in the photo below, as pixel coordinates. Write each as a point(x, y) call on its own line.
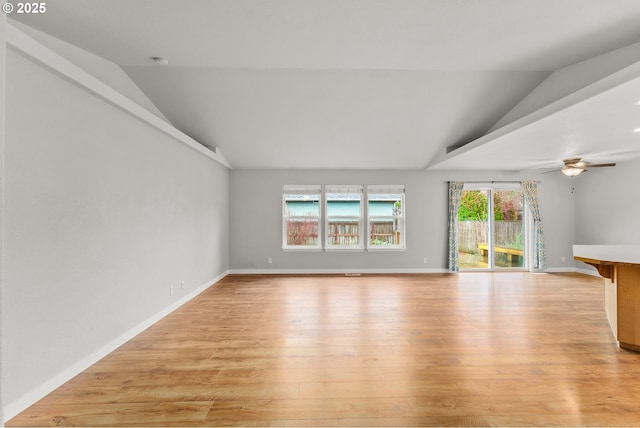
point(376, 249)
point(301, 250)
point(338, 250)
point(333, 249)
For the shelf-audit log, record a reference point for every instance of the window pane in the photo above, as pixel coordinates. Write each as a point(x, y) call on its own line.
point(382, 233)
point(297, 208)
point(386, 221)
point(302, 232)
point(473, 229)
point(341, 208)
point(301, 217)
point(344, 211)
point(344, 233)
point(508, 228)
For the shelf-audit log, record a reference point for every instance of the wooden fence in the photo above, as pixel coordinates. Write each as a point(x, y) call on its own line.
point(344, 233)
point(472, 233)
point(349, 233)
point(382, 233)
point(340, 233)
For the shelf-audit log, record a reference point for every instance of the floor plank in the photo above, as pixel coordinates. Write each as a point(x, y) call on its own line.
point(473, 349)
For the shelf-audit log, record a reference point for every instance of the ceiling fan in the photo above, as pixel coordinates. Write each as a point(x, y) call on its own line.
point(575, 166)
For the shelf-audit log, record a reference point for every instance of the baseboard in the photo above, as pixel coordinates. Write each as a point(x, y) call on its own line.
point(560, 270)
point(370, 271)
point(331, 271)
point(14, 408)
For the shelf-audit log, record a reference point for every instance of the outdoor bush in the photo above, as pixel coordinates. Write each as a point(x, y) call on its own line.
point(473, 206)
point(507, 205)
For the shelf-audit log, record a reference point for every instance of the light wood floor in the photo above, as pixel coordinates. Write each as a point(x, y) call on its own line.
point(472, 349)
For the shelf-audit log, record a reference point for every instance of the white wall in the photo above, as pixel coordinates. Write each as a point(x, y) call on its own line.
point(608, 205)
point(103, 215)
point(256, 224)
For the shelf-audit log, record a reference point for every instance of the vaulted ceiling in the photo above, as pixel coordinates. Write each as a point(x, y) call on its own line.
point(378, 84)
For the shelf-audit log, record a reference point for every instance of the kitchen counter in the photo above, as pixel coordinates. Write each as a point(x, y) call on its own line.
point(619, 265)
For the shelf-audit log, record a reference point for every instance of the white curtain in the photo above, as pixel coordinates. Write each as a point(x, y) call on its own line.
point(455, 194)
point(530, 189)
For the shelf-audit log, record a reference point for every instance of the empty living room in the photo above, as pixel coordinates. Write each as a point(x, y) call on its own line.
point(320, 213)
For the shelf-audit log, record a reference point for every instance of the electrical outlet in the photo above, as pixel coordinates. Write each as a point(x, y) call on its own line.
point(270, 260)
point(182, 285)
point(171, 290)
point(425, 260)
point(564, 259)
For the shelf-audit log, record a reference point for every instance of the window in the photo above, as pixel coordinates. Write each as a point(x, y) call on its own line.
point(343, 217)
point(385, 212)
point(301, 217)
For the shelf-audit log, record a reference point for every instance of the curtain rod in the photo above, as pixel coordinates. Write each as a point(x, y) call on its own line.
point(492, 181)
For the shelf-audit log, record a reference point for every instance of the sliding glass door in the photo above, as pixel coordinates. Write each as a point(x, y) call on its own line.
point(491, 227)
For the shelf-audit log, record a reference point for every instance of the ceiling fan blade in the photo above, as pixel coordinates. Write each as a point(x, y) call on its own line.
point(572, 162)
point(599, 165)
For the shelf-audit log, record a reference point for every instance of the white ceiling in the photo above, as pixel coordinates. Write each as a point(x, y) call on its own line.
point(366, 84)
point(600, 123)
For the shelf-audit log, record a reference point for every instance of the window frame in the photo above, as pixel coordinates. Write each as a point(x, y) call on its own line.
point(527, 226)
point(321, 194)
point(397, 217)
point(311, 190)
point(359, 219)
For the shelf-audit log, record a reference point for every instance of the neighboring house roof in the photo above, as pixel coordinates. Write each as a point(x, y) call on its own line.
point(382, 208)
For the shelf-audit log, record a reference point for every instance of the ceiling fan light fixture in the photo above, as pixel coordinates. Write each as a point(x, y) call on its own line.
point(571, 171)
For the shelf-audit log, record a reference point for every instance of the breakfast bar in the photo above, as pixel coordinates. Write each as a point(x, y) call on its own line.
point(619, 265)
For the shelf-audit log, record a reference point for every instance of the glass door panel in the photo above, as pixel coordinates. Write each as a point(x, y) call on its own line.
point(508, 229)
point(474, 245)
